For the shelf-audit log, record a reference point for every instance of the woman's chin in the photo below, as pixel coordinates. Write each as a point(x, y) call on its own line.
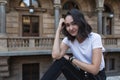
point(73, 35)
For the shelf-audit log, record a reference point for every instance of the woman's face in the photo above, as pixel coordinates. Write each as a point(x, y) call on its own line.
point(71, 26)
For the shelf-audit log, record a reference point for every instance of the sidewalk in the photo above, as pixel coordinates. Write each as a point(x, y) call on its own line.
point(113, 78)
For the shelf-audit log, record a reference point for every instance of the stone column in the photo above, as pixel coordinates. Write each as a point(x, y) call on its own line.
point(3, 36)
point(57, 7)
point(99, 15)
point(99, 20)
point(3, 17)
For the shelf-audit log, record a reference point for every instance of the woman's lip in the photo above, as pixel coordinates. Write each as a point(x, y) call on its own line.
point(73, 32)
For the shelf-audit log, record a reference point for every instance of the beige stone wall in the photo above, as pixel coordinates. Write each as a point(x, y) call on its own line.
point(13, 28)
point(48, 25)
point(116, 27)
point(48, 18)
point(15, 64)
point(14, 25)
point(14, 19)
point(116, 56)
point(14, 22)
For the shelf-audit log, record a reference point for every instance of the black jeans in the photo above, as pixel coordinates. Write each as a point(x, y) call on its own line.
point(70, 72)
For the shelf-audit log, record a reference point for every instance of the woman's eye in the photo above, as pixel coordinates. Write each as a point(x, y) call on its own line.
point(67, 25)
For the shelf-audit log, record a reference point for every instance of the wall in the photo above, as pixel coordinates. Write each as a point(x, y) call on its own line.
point(16, 66)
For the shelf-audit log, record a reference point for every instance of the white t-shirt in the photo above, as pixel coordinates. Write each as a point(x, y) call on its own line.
point(83, 51)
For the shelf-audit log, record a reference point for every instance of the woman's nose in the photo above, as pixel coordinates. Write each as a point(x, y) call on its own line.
point(71, 27)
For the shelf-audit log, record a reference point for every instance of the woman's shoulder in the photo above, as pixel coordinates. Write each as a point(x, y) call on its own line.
point(94, 35)
point(65, 40)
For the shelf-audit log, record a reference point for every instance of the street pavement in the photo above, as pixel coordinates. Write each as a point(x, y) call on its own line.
point(113, 78)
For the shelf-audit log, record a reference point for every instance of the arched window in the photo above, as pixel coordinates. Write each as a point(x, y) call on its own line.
point(29, 17)
point(29, 3)
point(106, 9)
point(69, 5)
point(107, 20)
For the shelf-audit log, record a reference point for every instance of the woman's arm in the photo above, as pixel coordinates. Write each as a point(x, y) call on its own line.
point(94, 66)
point(59, 50)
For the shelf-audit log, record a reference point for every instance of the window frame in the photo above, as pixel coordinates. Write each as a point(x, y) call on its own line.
point(30, 33)
point(107, 16)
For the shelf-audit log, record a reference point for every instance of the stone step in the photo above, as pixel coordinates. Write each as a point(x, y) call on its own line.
point(4, 68)
point(4, 74)
point(3, 60)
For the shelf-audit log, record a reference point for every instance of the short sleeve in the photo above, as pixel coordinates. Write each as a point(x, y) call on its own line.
point(97, 42)
point(66, 41)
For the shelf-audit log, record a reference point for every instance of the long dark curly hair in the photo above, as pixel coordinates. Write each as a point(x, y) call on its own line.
point(84, 27)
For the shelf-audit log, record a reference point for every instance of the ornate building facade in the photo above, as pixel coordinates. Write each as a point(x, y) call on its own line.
point(27, 29)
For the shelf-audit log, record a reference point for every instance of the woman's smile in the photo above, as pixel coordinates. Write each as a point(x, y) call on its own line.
point(73, 32)
point(71, 26)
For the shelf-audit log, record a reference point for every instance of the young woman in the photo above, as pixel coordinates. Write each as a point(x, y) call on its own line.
point(87, 62)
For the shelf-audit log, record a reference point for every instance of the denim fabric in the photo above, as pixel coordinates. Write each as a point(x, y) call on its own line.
point(70, 72)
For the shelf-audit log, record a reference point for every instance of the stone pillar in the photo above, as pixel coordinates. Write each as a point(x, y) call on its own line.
point(99, 7)
point(99, 20)
point(3, 17)
point(3, 36)
point(57, 7)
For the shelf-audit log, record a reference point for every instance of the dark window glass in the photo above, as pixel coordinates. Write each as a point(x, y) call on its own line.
point(107, 21)
point(28, 3)
point(30, 25)
point(112, 64)
point(30, 71)
point(69, 5)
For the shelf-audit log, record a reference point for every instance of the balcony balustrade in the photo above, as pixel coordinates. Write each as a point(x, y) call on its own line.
point(29, 43)
point(39, 43)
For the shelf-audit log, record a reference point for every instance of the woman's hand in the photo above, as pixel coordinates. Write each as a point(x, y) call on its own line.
point(66, 57)
point(60, 27)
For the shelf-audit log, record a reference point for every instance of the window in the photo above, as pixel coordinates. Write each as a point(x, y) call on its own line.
point(111, 64)
point(69, 5)
point(30, 25)
point(105, 64)
point(109, 25)
point(29, 3)
point(30, 71)
point(107, 21)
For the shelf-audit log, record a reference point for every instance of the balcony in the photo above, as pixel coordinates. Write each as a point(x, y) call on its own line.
point(37, 45)
point(111, 43)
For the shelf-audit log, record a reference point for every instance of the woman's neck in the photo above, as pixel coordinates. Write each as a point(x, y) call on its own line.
point(80, 40)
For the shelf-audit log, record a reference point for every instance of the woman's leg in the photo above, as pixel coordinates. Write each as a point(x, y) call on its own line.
point(62, 65)
point(54, 71)
point(71, 72)
point(71, 75)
